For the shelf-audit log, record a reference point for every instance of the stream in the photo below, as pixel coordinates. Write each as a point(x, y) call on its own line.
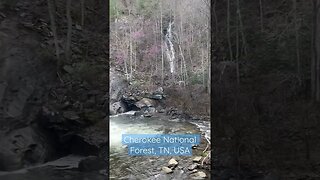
point(123, 166)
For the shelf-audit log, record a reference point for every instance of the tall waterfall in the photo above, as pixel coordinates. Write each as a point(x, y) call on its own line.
point(169, 48)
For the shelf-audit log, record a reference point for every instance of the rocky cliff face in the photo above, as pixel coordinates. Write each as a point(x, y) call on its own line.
point(45, 114)
point(24, 82)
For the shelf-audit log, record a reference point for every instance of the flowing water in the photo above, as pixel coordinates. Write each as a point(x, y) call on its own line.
point(123, 166)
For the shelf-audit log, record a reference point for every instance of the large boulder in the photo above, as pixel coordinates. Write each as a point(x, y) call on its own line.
point(92, 163)
point(22, 146)
point(117, 107)
point(145, 103)
point(117, 86)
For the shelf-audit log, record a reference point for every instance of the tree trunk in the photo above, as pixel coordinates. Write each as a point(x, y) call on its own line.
point(52, 11)
point(155, 44)
point(161, 29)
point(315, 64)
point(82, 12)
point(202, 67)
point(261, 15)
point(208, 53)
point(228, 30)
point(130, 53)
point(69, 32)
point(215, 17)
point(296, 28)
point(135, 58)
point(244, 41)
point(237, 55)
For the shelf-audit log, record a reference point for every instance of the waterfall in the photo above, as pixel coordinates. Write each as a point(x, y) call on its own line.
point(169, 48)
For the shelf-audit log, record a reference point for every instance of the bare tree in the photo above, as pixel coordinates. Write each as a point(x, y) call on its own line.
point(69, 32)
point(130, 46)
point(82, 12)
point(243, 38)
point(228, 30)
point(161, 29)
point(296, 29)
point(52, 13)
point(237, 54)
point(261, 15)
point(315, 65)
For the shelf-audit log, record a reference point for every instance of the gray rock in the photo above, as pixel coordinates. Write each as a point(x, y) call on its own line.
point(117, 107)
point(172, 163)
point(147, 115)
point(193, 166)
point(22, 146)
point(156, 96)
point(117, 86)
point(92, 163)
point(138, 113)
point(151, 110)
point(193, 171)
point(197, 159)
point(130, 113)
point(145, 102)
point(201, 174)
point(167, 170)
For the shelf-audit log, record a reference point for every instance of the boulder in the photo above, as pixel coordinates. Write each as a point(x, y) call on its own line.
point(22, 147)
point(197, 159)
point(193, 166)
point(92, 163)
point(167, 170)
point(145, 102)
point(117, 107)
point(151, 110)
point(201, 174)
point(172, 163)
point(156, 96)
point(89, 141)
point(147, 115)
point(117, 86)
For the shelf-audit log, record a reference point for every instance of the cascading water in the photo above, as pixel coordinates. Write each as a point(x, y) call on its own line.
point(125, 124)
point(170, 48)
